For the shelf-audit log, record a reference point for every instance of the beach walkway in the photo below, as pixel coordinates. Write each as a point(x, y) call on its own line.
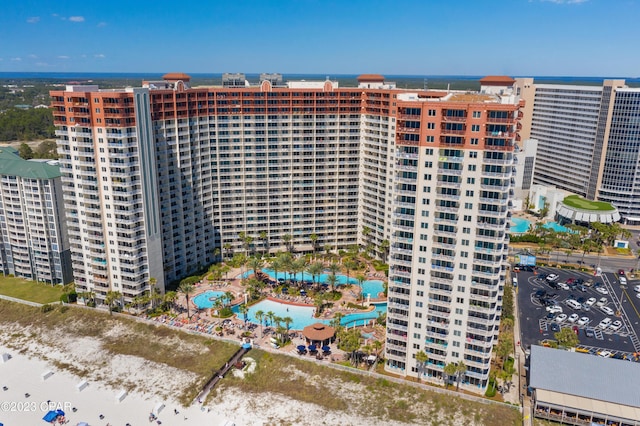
point(218, 375)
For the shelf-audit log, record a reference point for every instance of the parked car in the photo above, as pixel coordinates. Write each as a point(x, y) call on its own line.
point(602, 290)
point(602, 302)
point(573, 318)
point(616, 325)
point(571, 281)
point(560, 318)
point(552, 277)
point(587, 283)
point(623, 281)
point(563, 286)
point(605, 354)
point(555, 327)
point(589, 332)
point(621, 272)
point(607, 310)
point(583, 321)
point(605, 323)
point(555, 309)
point(636, 288)
point(573, 304)
point(591, 301)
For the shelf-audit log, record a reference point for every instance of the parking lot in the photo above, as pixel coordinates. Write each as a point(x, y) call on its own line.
point(604, 314)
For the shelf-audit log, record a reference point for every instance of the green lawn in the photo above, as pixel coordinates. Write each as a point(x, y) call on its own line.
point(29, 290)
point(578, 202)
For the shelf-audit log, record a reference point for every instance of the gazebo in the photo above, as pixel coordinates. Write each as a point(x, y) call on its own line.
point(319, 334)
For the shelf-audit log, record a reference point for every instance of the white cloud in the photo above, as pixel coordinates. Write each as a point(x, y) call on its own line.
point(16, 59)
point(63, 57)
point(32, 56)
point(83, 56)
point(42, 64)
point(76, 18)
point(102, 24)
point(99, 55)
point(33, 20)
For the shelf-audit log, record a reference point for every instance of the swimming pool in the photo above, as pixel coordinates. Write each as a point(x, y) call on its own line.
point(372, 288)
point(521, 225)
point(303, 276)
point(556, 227)
point(302, 316)
point(207, 299)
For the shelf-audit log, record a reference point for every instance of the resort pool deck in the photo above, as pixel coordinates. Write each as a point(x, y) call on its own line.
point(207, 299)
point(521, 225)
point(302, 316)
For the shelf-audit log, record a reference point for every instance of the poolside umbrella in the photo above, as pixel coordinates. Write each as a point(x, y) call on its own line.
point(312, 348)
point(301, 348)
point(326, 349)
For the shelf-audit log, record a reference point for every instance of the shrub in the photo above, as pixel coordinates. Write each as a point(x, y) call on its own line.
point(46, 308)
point(63, 309)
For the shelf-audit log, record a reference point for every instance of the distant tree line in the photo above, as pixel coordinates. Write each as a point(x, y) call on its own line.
point(23, 125)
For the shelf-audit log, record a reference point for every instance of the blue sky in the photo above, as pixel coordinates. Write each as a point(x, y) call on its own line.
point(418, 37)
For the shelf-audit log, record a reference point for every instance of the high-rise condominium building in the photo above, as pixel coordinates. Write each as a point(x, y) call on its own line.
point(588, 141)
point(453, 188)
point(158, 179)
point(32, 221)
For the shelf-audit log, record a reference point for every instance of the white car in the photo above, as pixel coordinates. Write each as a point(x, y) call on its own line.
point(573, 318)
point(616, 325)
point(602, 302)
point(605, 323)
point(602, 290)
point(591, 301)
point(553, 277)
point(636, 288)
point(563, 286)
point(555, 309)
point(605, 354)
point(561, 318)
point(583, 321)
point(638, 295)
point(607, 310)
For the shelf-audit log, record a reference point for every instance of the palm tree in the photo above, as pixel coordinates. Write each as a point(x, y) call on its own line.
point(227, 248)
point(315, 269)
point(228, 296)
point(349, 265)
point(276, 265)
point(169, 299)
point(327, 249)
point(461, 370)
point(242, 309)
point(361, 278)
point(332, 280)
point(299, 265)
point(384, 246)
point(270, 316)
point(287, 238)
point(314, 242)
point(377, 346)
point(287, 322)
point(450, 371)
point(334, 268)
point(421, 362)
point(263, 237)
point(259, 316)
point(111, 298)
point(255, 265)
point(186, 287)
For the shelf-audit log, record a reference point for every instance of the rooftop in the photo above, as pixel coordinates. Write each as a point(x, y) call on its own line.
point(578, 202)
point(497, 80)
point(587, 376)
point(11, 164)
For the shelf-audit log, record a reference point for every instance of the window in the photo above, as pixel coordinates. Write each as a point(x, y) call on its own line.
point(466, 230)
point(431, 126)
point(469, 193)
point(468, 206)
point(461, 288)
point(430, 139)
point(457, 345)
point(420, 293)
point(477, 114)
point(427, 177)
point(465, 242)
point(416, 335)
point(471, 180)
point(457, 322)
point(473, 154)
point(418, 314)
point(431, 113)
point(428, 164)
point(475, 127)
point(474, 141)
point(459, 311)
point(472, 167)
point(428, 151)
point(460, 300)
point(467, 218)
point(417, 325)
point(457, 332)
point(418, 304)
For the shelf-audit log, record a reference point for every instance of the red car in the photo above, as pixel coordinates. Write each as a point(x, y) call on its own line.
point(621, 272)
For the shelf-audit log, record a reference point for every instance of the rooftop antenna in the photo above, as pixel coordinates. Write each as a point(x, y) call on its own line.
point(426, 84)
point(448, 84)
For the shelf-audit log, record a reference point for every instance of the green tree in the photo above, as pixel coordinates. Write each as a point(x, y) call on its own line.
point(25, 151)
point(111, 298)
point(315, 269)
point(186, 287)
point(314, 242)
point(259, 316)
point(287, 240)
point(450, 371)
point(461, 370)
point(361, 279)
point(243, 310)
point(264, 238)
point(227, 248)
point(421, 362)
point(384, 246)
point(349, 265)
point(255, 265)
point(332, 280)
point(567, 337)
